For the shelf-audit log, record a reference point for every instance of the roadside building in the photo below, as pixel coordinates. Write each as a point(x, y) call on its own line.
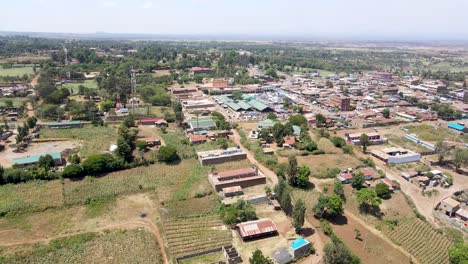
point(159, 122)
point(34, 160)
point(220, 156)
point(256, 229)
point(374, 138)
point(449, 206)
point(396, 155)
point(243, 178)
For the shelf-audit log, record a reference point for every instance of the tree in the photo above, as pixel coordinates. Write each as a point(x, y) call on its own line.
point(338, 253)
point(259, 258)
point(141, 145)
point(271, 116)
point(334, 205)
point(75, 159)
point(364, 139)
point(358, 181)
point(382, 190)
point(241, 211)
point(8, 103)
point(292, 169)
point(286, 203)
point(367, 199)
point(72, 171)
point(460, 157)
point(168, 154)
point(302, 179)
point(298, 120)
point(237, 95)
point(299, 215)
point(320, 207)
point(46, 162)
point(442, 149)
point(129, 121)
point(386, 113)
point(222, 142)
point(320, 120)
point(338, 142)
point(123, 150)
point(458, 254)
point(338, 189)
point(271, 72)
point(31, 121)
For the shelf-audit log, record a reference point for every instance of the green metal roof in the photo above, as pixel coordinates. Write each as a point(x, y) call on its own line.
point(244, 105)
point(35, 158)
point(233, 106)
point(266, 123)
point(204, 123)
point(258, 105)
point(296, 130)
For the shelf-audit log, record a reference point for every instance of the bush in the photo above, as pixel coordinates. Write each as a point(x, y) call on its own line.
point(72, 171)
point(101, 163)
point(168, 154)
point(326, 227)
point(141, 145)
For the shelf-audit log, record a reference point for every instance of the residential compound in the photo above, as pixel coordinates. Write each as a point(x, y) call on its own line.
point(221, 156)
point(396, 155)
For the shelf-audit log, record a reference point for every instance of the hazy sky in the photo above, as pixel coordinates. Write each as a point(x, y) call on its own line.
point(429, 19)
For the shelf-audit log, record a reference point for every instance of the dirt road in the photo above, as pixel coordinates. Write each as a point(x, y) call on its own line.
point(148, 225)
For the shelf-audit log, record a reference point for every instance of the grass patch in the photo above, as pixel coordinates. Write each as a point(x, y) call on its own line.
point(434, 134)
point(95, 139)
point(73, 87)
point(321, 164)
point(16, 71)
point(97, 207)
point(207, 258)
point(17, 101)
point(132, 246)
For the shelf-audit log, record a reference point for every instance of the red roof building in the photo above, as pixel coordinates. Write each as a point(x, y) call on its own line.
point(197, 139)
point(256, 229)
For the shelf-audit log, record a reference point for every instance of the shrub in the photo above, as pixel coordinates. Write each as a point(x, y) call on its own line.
point(101, 163)
point(168, 154)
point(72, 171)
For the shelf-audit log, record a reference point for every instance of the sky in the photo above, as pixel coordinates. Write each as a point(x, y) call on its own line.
point(337, 19)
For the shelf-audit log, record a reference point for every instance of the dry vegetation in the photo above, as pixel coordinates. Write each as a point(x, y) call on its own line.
point(122, 246)
point(318, 164)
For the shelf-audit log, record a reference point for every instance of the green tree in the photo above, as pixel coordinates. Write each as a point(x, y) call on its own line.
point(334, 205)
point(458, 254)
point(72, 171)
point(338, 189)
point(31, 121)
point(299, 215)
point(358, 181)
point(168, 154)
point(272, 116)
point(75, 159)
point(442, 149)
point(271, 72)
point(320, 207)
point(338, 142)
point(338, 253)
point(239, 212)
point(382, 190)
point(286, 203)
point(124, 150)
point(46, 162)
point(141, 145)
point(364, 139)
point(320, 120)
point(367, 199)
point(302, 179)
point(8, 103)
point(259, 258)
point(386, 113)
point(222, 143)
point(298, 120)
point(460, 157)
point(292, 170)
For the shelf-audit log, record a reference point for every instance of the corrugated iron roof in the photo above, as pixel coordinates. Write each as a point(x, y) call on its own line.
point(258, 227)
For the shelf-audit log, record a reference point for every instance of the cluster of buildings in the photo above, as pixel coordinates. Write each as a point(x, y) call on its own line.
point(15, 90)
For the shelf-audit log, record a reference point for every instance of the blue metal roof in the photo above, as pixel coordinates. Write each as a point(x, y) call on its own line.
point(298, 243)
point(35, 158)
point(64, 123)
point(456, 126)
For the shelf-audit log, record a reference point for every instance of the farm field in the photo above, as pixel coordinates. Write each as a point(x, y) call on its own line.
point(16, 71)
point(95, 139)
point(421, 240)
point(196, 234)
point(121, 246)
point(34, 59)
point(73, 87)
point(172, 182)
point(207, 258)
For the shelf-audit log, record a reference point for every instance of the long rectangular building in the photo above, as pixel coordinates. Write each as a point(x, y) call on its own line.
point(220, 156)
point(396, 155)
point(244, 178)
point(256, 229)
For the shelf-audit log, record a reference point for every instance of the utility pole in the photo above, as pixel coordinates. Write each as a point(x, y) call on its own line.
point(133, 92)
point(65, 51)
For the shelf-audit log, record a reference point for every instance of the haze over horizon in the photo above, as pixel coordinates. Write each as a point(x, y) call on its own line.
point(335, 19)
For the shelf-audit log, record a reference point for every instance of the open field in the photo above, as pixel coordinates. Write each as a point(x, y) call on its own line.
point(161, 111)
point(195, 234)
point(73, 87)
point(207, 258)
point(319, 164)
point(421, 240)
point(433, 134)
point(16, 71)
point(17, 101)
point(94, 139)
point(121, 246)
point(34, 59)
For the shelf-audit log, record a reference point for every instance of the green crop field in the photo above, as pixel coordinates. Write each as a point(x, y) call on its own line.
point(421, 240)
point(73, 87)
point(17, 101)
point(433, 134)
point(95, 139)
point(121, 246)
point(16, 71)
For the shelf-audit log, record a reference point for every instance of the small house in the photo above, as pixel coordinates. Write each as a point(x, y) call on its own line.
point(33, 160)
point(256, 229)
point(232, 191)
point(299, 248)
point(197, 139)
point(449, 206)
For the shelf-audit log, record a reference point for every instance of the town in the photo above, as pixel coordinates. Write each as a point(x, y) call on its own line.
point(232, 152)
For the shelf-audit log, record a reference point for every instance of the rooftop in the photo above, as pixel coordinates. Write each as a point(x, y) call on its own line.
point(35, 158)
point(256, 227)
point(298, 243)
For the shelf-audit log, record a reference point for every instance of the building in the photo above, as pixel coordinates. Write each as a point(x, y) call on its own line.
point(201, 124)
point(374, 138)
point(256, 229)
point(458, 127)
point(33, 160)
point(244, 178)
point(63, 125)
point(462, 214)
point(197, 104)
point(232, 191)
point(151, 141)
point(299, 247)
point(197, 139)
point(220, 156)
point(391, 185)
point(449, 206)
point(396, 155)
point(200, 70)
point(267, 123)
point(385, 76)
point(160, 122)
point(342, 103)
